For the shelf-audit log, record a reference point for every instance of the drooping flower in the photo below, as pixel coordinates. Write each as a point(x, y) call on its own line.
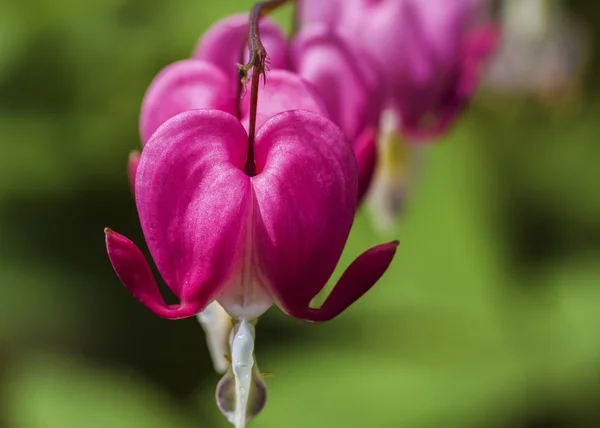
point(248, 242)
point(429, 51)
point(243, 202)
point(211, 81)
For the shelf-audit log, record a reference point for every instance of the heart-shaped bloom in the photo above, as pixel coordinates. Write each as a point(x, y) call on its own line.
point(216, 233)
point(244, 202)
point(429, 52)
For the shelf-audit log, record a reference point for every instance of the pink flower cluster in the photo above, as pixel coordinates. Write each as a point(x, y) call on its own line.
point(247, 196)
point(216, 233)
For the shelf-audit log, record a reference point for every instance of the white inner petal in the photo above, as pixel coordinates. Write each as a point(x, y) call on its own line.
point(247, 293)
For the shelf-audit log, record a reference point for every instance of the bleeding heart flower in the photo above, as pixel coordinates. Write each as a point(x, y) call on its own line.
point(244, 203)
point(429, 51)
point(216, 233)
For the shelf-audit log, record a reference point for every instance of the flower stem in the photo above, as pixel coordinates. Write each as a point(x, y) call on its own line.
point(257, 61)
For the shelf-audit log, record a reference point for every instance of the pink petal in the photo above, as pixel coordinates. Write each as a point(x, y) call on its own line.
point(306, 192)
point(365, 151)
point(133, 270)
point(181, 86)
point(132, 164)
point(225, 45)
point(344, 75)
point(360, 276)
point(328, 12)
point(283, 91)
point(432, 121)
point(192, 198)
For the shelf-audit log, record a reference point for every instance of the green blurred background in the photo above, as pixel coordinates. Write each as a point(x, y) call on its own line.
point(488, 317)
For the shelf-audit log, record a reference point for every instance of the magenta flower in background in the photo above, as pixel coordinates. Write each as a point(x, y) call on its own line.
point(349, 84)
point(429, 52)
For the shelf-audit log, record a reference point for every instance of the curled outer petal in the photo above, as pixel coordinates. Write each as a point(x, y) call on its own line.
point(133, 270)
point(192, 198)
point(225, 44)
point(184, 85)
point(283, 91)
point(356, 280)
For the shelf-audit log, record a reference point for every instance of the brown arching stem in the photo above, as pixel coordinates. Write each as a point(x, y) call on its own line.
point(257, 62)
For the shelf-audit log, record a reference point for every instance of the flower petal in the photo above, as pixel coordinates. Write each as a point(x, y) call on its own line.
point(283, 91)
point(344, 75)
point(133, 270)
point(192, 198)
point(306, 191)
point(329, 12)
point(181, 86)
point(431, 117)
point(365, 151)
point(225, 44)
point(360, 276)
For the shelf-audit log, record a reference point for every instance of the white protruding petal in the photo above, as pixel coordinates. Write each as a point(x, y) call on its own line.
point(398, 163)
point(242, 362)
point(217, 327)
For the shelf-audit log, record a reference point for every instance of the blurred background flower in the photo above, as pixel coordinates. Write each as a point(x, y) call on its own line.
point(489, 316)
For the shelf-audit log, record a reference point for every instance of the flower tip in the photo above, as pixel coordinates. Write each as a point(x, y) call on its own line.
point(108, 231)
point(134, 155)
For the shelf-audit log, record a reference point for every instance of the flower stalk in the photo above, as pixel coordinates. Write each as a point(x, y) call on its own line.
point(256, 63)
